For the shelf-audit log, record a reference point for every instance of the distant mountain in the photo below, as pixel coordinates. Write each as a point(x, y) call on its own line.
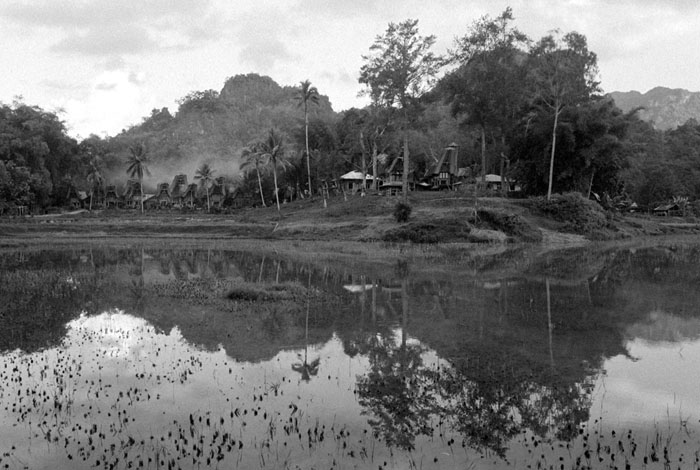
point(665, 108)
point(214, 126)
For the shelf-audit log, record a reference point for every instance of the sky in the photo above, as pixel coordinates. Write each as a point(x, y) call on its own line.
point(105, 64)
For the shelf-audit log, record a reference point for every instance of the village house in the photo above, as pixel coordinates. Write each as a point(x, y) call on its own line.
point(444, 175)
point(178, 188)
point(352, 182)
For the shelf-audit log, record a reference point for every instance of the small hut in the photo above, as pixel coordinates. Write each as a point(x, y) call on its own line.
point(352, 181)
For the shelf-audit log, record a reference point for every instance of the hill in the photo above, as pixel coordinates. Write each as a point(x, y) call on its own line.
point(665, 108)
point(214, 126)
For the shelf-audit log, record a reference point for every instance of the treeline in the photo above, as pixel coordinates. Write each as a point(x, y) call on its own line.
point(529, 109)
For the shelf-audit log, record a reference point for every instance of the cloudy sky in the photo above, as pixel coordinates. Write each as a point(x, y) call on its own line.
point(108, 63)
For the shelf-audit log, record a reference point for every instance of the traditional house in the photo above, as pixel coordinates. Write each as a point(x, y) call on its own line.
point(352, 182)
point(239, 199)
point(73, 198)
point(444, 174)
point(495, 183)
point(112, 199)
point(393, 184)
point(217, 193)
point(162, 196)
point(190, 198)
point(668, 209)
point(178, 188)
point(132, 194)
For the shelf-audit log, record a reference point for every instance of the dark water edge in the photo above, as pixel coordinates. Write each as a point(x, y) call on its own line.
point(574, 358)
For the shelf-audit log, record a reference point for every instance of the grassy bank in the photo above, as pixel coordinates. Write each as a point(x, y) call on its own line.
point(436, 217)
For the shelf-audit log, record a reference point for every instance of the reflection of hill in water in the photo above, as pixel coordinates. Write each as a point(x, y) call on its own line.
point(661, 327)
point(596, 297)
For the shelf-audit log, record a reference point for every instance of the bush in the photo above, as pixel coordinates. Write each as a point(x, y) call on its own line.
point(442, 230)
point(510, 224)
point(580, 215)
point(402, 212)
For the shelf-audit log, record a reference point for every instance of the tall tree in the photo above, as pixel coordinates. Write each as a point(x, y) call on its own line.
point(397, 72)
point(307, 94)
point(95, 181)
point(486, 88)
point(205, 175)
point(563, 74)
point(254, 158)
point(137, 165)
point(272, 148)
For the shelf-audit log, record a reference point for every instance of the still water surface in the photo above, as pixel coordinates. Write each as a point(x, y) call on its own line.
point(115, 358)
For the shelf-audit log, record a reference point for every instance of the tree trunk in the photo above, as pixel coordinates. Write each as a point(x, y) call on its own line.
point(405, 167)
point(91, 194)
point(375, 182)
point(504, 178)
point(141, 186)
point(207, 191)
point(557, 110)
point(277, 192)
point(262, 198)
point(308, 156)
point(483, 156)
point(590, 184)
point(363, 164)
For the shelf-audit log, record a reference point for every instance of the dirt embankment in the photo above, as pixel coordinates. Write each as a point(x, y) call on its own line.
point(444, 217)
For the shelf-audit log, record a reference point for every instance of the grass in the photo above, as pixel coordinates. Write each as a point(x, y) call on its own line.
point(433, 219)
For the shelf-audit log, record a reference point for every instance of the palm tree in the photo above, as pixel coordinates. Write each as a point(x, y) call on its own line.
point(253, 157)
point(307, 94)
point(95, 180)
point(137, 161)
point(205, 175)
point(272, 148)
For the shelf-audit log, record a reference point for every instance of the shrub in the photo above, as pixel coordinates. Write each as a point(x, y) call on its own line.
point(510, 224)
point(580, 215)
point(442, 230)
point(402, 212)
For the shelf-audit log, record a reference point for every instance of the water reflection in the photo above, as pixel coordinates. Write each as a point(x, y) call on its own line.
point(420, 358)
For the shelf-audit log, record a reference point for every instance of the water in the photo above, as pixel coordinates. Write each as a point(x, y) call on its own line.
point(138, 358)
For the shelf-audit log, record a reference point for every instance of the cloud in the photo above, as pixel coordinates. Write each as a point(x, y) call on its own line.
point(127, 39)
point(260, 38)
point(96, 27)
point(114, 101)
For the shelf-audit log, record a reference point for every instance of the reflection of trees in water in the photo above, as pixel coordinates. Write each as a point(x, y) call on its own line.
point(39, 299)
point(307, 369)
point(517, 359)
point(397, 390)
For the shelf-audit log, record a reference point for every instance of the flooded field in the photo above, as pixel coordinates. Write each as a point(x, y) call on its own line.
point(166, 358)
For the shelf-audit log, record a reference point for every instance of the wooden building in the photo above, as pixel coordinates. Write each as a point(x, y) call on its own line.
point(444, 175)
point(178, 188)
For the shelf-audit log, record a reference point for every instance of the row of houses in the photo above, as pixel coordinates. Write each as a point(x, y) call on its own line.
point(445, 174)
point(178, 194)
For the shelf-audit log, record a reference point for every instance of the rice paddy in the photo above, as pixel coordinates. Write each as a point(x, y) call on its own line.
point(167, 359)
